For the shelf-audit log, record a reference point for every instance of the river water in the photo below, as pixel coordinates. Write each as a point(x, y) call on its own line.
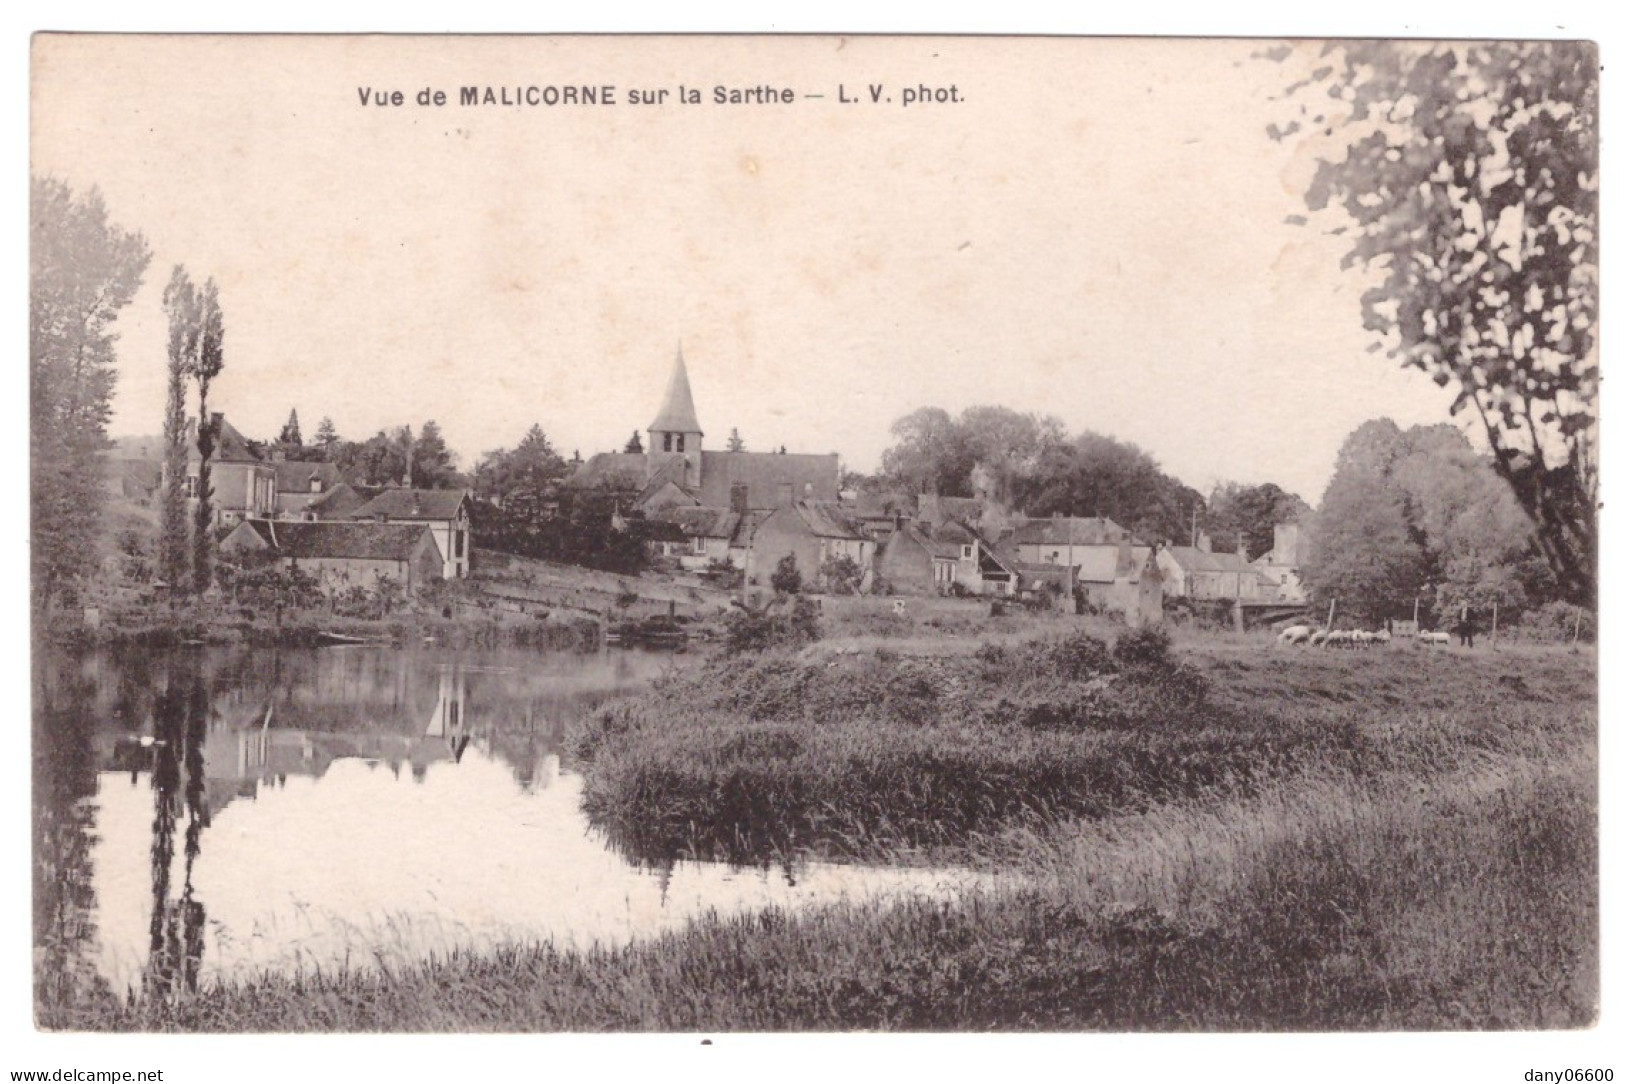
point(217, 813)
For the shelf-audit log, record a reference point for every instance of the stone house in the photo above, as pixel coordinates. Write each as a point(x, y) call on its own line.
point(300, 485)
point(344, 554)
point(813, 532)
point(444, 511)
point(243, 482)
point(1281, 567)
point(1201, 575)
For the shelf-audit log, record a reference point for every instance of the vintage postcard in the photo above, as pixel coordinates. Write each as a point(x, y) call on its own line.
point(719, 535)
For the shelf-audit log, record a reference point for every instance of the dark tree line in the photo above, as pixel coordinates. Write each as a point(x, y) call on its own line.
point(587, 527)
point(1031, 464)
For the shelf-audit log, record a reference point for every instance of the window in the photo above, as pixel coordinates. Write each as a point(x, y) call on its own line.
point(679, 442)
point(699, 546)
point(667, 441)
point(967, 551)
point(315, 484)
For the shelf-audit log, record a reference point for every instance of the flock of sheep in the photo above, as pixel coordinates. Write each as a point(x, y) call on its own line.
point(1352, 638)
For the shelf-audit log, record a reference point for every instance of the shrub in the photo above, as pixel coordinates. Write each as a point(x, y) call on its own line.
point(1554, 622)
point(749, 631)
point(841, 576)
point(787, 577)
point(1146, 646)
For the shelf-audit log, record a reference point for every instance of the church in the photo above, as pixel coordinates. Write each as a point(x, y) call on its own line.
point(677, 471)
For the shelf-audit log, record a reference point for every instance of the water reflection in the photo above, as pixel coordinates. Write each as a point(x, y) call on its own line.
point(217, 813)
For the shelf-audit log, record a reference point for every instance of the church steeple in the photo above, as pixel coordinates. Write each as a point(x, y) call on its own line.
point(677, 412)
point(676, 429)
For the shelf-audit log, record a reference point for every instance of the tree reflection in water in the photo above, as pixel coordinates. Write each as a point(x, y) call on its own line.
point(180, 724)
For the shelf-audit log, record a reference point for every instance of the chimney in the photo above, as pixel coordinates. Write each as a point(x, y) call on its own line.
point(1204, 542)
point(739, 498)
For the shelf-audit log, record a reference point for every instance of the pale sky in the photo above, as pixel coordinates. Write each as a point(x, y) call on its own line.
point(1096, 232)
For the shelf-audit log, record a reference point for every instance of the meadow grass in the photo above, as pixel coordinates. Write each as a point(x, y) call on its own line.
point(1234, 838)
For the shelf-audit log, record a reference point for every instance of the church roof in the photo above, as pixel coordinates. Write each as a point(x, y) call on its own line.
point(677, 412)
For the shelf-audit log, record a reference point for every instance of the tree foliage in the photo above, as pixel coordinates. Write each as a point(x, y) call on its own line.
point(1242, 519)
point(174, 533)
point(634, 445)
point(433, 464)
point(1417, 514)
point(530, 469)
point(327, 440)
point(1468, 177)
point(206, 339)
point(83, 270)
point(1030, 463)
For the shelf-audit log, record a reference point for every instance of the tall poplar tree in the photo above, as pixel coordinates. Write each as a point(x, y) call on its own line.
point(207, 361)
point(174, 535)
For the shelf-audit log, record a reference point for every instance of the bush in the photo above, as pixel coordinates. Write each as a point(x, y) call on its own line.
point(1554, 622)
point(841, 576)
point(749, 631)
point(1147, 646)
point(787, 577)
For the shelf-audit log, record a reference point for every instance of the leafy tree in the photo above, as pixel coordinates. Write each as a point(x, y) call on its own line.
point(380, 460)
point(83, 270)
point(433, 465)
point(635, 445)
point(930, 454)
point(1419, 514)
point(174, 535)
point(532, 467)
point(735, 444)
point(1467, 174)
point(1097, 475)
point(1243, 519)
point(327, 439)
point(1365, 555)
point(208, 358)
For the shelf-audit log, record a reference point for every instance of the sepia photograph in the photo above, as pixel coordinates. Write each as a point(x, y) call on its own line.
point(727, 534)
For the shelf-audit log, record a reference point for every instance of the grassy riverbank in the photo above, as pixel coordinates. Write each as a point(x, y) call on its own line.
point(1233, 837)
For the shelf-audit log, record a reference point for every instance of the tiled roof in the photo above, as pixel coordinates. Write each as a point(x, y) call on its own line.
point(294, 478)
point(1068, 530)
point(941, 549)
point(811, 477)
point(230, 446)
point(342, 539)
point(413, 504)
point(1096, 564)
point(627, 469)
point(341, 501)
point(1192, 559)
point(704, 522)
point(827, 520)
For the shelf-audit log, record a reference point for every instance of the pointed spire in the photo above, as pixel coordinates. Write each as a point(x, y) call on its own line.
point(677, 411)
